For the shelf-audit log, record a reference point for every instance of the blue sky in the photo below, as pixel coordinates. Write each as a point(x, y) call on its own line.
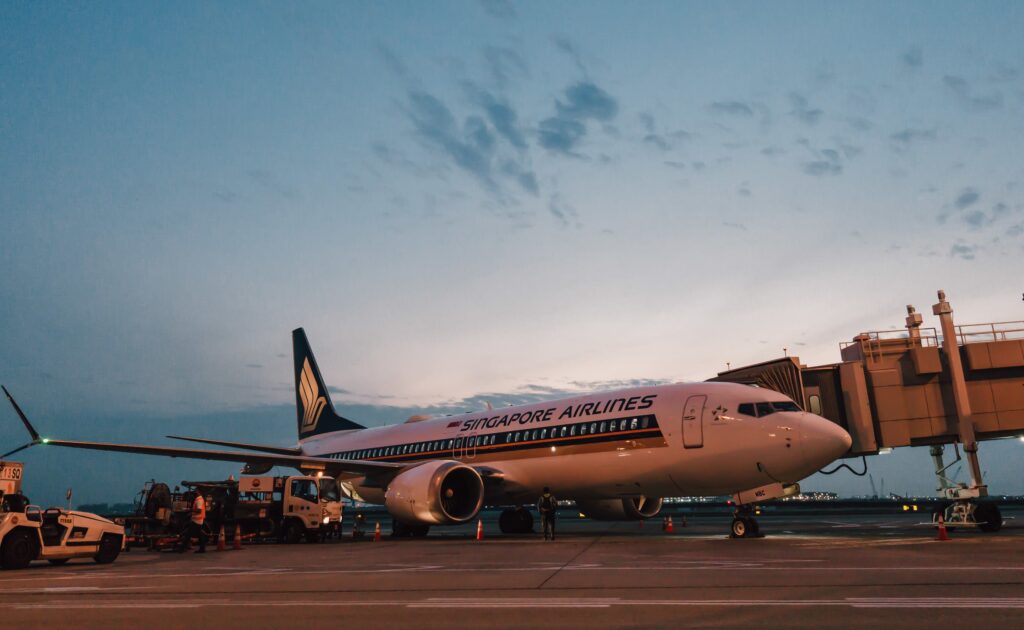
point(498, 199)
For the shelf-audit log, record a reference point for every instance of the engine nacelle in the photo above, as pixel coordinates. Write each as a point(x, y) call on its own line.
point(440, 492)
point(633, 509)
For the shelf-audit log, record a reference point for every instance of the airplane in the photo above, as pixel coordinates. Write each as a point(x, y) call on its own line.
point(617, 454)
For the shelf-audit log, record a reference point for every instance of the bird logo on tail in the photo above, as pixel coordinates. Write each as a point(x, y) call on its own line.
point(312, 402)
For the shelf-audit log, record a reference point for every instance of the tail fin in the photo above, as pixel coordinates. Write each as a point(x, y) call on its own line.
point(313, 405)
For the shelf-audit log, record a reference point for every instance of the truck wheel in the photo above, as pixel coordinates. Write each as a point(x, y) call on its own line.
point(59, 561)
point(291, 533)
point(110, 548)
point(990, 514)
point(18, 551)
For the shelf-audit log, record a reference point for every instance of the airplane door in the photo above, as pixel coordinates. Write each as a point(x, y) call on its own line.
point(693, 421)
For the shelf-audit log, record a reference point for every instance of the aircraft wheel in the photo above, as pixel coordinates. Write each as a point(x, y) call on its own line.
point(19, 549)
point(507, 522)
point(741, 527)
point(110, 548)
point(989, 512)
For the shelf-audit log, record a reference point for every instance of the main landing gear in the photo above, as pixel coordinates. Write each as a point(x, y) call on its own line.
point(744, 525)
point(516, 521)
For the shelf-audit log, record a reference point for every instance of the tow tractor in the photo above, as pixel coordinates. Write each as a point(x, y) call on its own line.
point(27, 532)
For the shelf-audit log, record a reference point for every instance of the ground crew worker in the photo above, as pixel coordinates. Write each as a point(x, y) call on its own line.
point(546, 505)
point(195, 526)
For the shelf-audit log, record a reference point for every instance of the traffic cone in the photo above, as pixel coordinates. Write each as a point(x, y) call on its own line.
point(943, 535)
point(480, 529)
point(669, 528)
point(376, 533)
point(220, 539)
point(238, 537)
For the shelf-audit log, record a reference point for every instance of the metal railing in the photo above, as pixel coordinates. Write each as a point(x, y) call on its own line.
point(872, 342)
point(996, 331)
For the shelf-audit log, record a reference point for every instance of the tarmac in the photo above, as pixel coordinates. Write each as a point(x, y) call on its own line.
point(880, 570)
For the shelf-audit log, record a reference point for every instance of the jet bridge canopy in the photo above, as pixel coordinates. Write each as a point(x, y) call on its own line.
point(896, 388)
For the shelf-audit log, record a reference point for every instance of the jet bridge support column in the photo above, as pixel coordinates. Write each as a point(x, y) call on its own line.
point(965, 510)
point(965, 424)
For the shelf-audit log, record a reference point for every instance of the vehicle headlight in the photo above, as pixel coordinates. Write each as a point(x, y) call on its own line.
point(327, 519)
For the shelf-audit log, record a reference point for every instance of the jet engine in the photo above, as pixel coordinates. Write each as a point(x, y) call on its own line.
point(440, 492)
point(631, 509)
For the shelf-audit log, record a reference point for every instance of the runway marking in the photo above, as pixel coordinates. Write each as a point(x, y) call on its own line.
point(545, 602)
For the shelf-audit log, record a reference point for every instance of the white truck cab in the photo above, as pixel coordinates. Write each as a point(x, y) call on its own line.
point(27, 532)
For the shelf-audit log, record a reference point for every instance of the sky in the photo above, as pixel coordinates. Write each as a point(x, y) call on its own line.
point(482, 201)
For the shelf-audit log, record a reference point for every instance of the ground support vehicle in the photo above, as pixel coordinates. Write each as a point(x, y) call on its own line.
point(288, 509)
point(27, 532)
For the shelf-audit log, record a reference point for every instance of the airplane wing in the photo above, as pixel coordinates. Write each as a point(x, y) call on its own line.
point(280, 450)
point(328, 465)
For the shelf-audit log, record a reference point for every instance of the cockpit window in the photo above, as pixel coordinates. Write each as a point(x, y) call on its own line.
point(747, 409)
point(764, 409)
point(785, 406)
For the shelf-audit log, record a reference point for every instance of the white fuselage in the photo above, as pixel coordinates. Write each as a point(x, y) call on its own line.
point(672, 440)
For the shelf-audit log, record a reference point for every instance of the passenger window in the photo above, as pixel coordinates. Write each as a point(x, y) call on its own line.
point(583, 429)
point(747, 409)
point(604, 427)
point(572, 430)
point(544, 434)
point(632, 424)
point(764, 409)
point(458, 442)
point(593, 428)
point(565, 430)
point(644, 422)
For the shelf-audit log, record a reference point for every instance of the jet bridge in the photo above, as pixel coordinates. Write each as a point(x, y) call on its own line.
point(914, 387)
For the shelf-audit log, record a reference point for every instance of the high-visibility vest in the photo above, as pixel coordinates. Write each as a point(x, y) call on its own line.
point(199, 510)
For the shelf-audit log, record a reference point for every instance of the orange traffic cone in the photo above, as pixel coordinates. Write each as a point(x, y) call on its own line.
point(943, 535)
point(376, 533)
point(220, 539)
point(238, 537)
point(669, 527)
point(480, 529)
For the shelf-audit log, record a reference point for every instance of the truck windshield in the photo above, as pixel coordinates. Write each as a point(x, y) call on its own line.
point(304, 489)
point(329, 490)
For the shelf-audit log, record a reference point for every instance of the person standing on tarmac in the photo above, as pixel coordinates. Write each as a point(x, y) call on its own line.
point(195, 525)
point(546, 505)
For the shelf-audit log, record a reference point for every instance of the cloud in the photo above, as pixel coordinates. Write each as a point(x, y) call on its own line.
point(860, 123)
point(1015, 230)
point(907, 137)
point(504, 64)
point(732, 108)
point(586, 100)
point(559, 135)
point(501, 9)
point(505, 121)
point(743, 189)
point(271, 182)
point(966, 198)
point(913, 58)
point(772, 151)
point(802, 111)
point(564, 212)
point(474, 147)
point(963, 250)
point(735, 226)
point(819, 168)
point(660, 141)
point(582, 102)
point(393, 61)
point(966, 97)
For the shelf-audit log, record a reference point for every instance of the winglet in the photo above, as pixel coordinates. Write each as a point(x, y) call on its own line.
point(21, 414)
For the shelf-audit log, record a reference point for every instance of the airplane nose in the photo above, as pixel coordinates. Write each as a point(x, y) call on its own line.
point(824, 441)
